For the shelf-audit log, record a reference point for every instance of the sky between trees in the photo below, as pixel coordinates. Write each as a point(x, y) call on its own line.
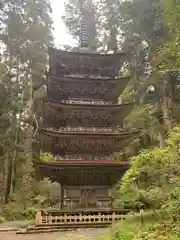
point(60, 31)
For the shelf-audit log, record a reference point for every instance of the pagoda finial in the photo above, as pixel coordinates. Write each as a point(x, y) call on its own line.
point(84, 28)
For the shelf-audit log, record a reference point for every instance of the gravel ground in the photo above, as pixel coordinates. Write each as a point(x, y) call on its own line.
point(79, 234)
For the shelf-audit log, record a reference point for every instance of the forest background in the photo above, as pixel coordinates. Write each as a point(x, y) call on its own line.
point(149, 30)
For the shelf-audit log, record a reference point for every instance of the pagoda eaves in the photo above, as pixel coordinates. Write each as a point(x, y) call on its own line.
point(85, 88)
point(59, 142)
point(75, 174)
point(67, 63)
point(64, 114)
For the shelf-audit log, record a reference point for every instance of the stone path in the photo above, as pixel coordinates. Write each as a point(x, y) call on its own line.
point(79, 234)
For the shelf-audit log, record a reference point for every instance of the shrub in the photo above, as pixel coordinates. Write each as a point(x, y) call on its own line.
point(163, 231)
point(152, 176)
point(172, 205)
point(2, 219)
point(13, 211)
point(30, 213)
point(33, 197)
point(135, 199)
point(47, 193)
point(146, 173)
point(133, 224)
point(46, 157)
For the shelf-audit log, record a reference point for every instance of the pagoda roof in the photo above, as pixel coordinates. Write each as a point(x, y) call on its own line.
point(94, 134)
point(84, 142)
point(60, 104)
point(71, 55)
point(75, 78)
point(76, 173)
point(77, 163)
point(65, 63)
point(86, 114)
point(83, 88)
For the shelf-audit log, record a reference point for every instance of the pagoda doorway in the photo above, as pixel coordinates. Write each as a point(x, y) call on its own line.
point(88, 198)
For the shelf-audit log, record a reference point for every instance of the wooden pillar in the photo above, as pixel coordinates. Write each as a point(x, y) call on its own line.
point(38, 218)
point(38, 174)
point(110, 195)
point(62, 196)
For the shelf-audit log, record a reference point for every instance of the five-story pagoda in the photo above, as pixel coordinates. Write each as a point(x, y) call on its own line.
point(80, 132)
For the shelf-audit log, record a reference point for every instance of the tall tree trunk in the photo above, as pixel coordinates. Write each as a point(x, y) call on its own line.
point(166, 107)
point(16, 129)
point(8, 156)
point(167, 115)
point(162, 142)
point(8, 178)
point(15, 153)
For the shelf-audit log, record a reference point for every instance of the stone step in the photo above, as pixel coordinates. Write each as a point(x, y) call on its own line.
point(60, 228)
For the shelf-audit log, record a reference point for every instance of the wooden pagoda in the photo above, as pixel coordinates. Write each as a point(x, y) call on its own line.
point(80, 131)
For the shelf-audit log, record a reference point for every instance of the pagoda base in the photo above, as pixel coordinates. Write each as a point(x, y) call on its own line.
point(81, 218)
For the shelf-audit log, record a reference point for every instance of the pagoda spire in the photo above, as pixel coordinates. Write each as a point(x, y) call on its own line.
point(86, 6)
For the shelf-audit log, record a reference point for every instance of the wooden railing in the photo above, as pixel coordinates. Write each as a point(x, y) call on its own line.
point(83, 157)
point(85, 129)
point(86, 102)
point(78, 218)
point(100, 202)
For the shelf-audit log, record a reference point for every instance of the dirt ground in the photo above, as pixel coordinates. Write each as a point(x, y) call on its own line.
point(79, 234)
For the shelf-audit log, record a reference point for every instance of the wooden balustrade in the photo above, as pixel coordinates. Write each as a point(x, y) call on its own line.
point(74, 202)
point(79, 218)
point(86, 102)
point(83, 157)
point(84, 129)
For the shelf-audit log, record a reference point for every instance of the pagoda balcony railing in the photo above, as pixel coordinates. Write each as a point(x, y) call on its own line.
point(101, 202)
point(85, 129)
point(84, 157)
point(86, 102)
point(81, 76)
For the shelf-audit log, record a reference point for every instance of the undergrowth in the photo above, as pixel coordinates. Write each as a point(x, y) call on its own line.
point(144, 226)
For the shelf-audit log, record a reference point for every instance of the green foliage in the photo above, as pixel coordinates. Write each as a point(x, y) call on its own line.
point(41, 194)
point(47, 193)
point(141, 118)
point(153, 182)
point(152, 172)
point(147, 225)
point(174, 139)
point(171, 59)
point(144, 175)
point(30, 199)
point(164, 231)
point(172, 205)
point(25, 34)
point(105, 237)
point(2, 219)
point(46, 157)
point(15, 211)
point(132, 226)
